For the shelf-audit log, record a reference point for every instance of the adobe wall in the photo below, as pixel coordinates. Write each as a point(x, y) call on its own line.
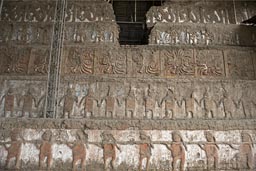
point(186, 101)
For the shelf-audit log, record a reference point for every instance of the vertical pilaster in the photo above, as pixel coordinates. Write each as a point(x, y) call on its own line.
point(1, 6)
point(55, 59)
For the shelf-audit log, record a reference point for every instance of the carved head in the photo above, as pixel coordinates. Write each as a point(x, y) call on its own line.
point(10, 91)
point(144, 136)
point(246, 137)
point(176, 136)
point(81, 136)
point(69, 91)
point(209, 137)
point(47, 135)
point(14, 135)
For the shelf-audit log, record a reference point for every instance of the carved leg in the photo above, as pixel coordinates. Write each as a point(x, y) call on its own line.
point(41, 160)
point(216, 164)
point(250, 160)
point(174, 164)
point(83, 163)
point(17, 162)
point(113, 163)
point(182, 163)
point(140, 163)
point(74, 163)
point(147, 164)
point(7, 162)
point(49, 161)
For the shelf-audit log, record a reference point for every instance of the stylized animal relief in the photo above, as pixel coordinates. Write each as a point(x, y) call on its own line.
point(179, 62)
point(88, 101)
point(79, 150)
point(28, 101)
point(69, 100)
point(16, 61)
point(109, 146)
point(45, 148)
point(177, 149)
point(145, 147)
point(152, 64)
point(41, 61)
point(14, 150)
point(112, 62)
point(211, 150)
point(170, 104)
point(245, 156)
point(8, 99)
point(209, 63)
point(80, 61)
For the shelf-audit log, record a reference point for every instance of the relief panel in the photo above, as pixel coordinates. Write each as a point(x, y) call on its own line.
point(209, 63)
point(128, 149)
point(239, 64)
point(178, 62)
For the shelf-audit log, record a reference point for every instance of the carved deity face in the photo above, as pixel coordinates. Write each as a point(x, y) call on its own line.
point(47, 136)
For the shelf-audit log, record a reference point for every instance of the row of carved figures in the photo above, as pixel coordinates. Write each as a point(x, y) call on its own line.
point(170, 102)
point(109, 145)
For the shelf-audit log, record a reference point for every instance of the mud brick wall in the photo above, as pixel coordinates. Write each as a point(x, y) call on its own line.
point(186, 101)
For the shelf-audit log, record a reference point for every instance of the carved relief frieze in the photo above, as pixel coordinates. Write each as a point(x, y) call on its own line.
point(117, 149)
point(17, 11)
point(91, 33)
point(191, 12)
point(210, 34)
point(14, 60)
point(22, 99)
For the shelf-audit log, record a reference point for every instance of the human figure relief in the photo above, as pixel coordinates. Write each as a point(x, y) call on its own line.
point(211, 150)
point(69, 100)
point(79, 150)
point(14, 150)
point(177, 149)
point(149, 103)
point(228, 104)
point(245, 155)
point(145, 147)
point(41, 102)
point(110, 104)
point(170, 104)
point(88, 101)
point(190, 105)
point(8, 98)
point(28, 101)
point(208, 104)
point(109, 146)
point(130, 104)
point(45, 148)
